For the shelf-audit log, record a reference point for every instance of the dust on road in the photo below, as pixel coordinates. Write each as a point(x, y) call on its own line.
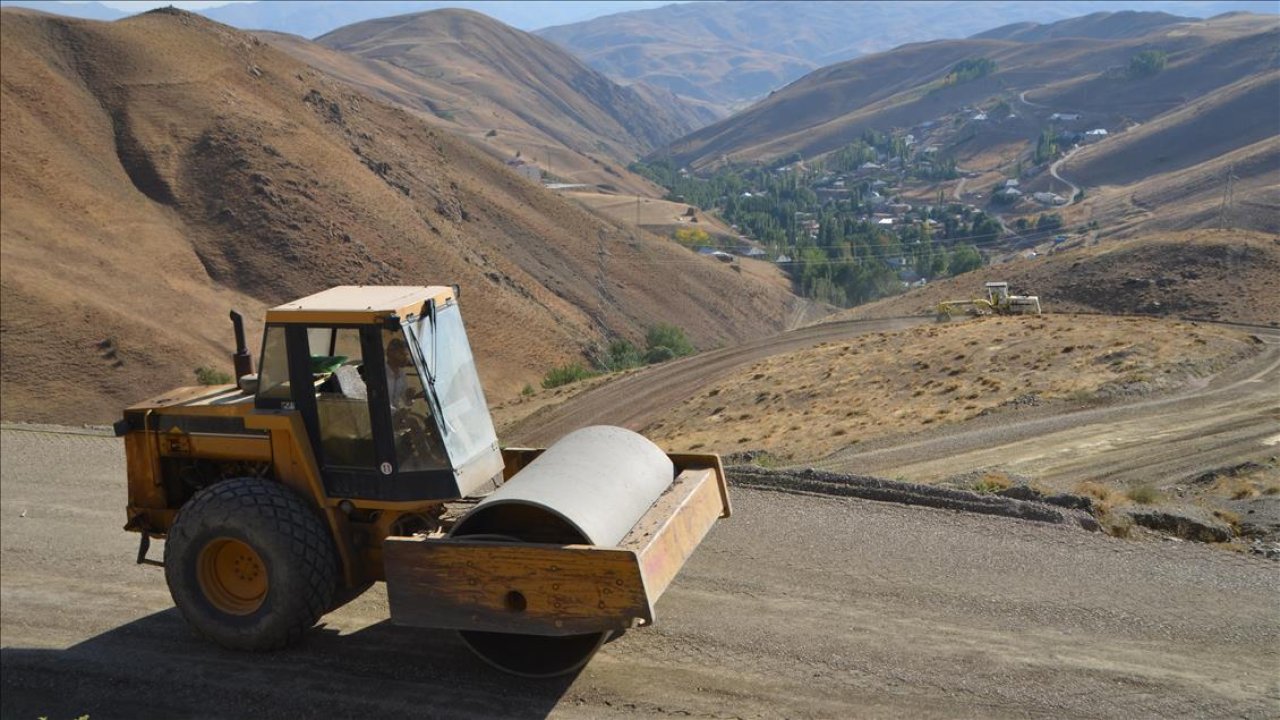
point(798, 606)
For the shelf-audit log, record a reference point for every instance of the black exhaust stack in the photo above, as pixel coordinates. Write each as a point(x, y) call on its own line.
point(240, 358)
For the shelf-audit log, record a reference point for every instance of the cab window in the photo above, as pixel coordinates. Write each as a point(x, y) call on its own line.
point(273, 374)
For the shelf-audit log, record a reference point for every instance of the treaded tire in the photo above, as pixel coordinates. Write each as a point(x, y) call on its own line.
point(296, 552)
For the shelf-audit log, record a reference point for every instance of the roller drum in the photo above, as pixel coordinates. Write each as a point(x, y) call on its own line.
point(591, 487)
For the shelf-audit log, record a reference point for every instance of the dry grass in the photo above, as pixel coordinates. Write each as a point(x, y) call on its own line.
point(810, 403)
point(992, 482)
point(1144, 495)
point(1105, 497)
point(207, 170)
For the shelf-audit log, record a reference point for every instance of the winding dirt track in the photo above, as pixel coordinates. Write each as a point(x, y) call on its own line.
point(797, 606)
point(1232, 418)
point(638, 399)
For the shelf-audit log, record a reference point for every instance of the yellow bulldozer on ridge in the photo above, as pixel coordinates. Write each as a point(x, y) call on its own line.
point(335, 466)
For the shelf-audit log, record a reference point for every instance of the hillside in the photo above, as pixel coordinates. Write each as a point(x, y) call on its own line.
point(1100, 25)
point(798, 407)
point(729, 54)
point(1225, 275)
point(903, 88)
point(159, 170)
point(491, 126)
point(481, 75)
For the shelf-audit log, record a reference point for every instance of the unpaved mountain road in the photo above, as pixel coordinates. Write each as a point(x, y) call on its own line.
point(797, 606)
point(637, 399)
point(1232, 418)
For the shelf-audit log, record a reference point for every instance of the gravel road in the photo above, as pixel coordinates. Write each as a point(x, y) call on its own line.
point(797, 606)
point(637, 399)
point(1231, 418)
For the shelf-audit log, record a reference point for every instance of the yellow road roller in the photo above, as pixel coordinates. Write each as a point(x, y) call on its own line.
point(362, 450)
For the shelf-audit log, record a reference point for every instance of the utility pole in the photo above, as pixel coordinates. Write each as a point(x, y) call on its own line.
point(1228, 198)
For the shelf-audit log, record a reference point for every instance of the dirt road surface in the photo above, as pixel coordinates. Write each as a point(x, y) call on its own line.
point(797, 606)
point(1232, 418)
point(1053, 170)
point(637, 399)
point(1228, 419)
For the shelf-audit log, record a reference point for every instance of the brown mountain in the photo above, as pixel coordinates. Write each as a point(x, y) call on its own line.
point(731, 53)
point(483, 76)
point(157, 170)
point(1099, 25)
point(903, 88)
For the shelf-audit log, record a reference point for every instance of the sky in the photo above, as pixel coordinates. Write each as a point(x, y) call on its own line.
point(141, 5)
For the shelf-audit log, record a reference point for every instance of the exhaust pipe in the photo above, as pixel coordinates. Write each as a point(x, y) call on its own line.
point(240, 358)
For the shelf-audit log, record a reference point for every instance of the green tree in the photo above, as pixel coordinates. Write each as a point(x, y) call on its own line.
point(1048, 221)
point(1046, 146)
point(1147, 63)
point(964, 259)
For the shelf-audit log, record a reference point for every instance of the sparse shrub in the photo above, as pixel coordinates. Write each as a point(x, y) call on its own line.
point(1144, 494)
point(992, 482)
point(666, 337)
point(1105, 496)
point(1228, 517)
point(491, 133)
point(1117, 525)
point(659, 355)
point(622, 355)
point(1235, 488)
point(565, 374)
point(527, 390)
point(211, 376)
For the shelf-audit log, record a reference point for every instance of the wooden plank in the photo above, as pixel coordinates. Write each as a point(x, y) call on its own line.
point(513, 587)
point(674, 527)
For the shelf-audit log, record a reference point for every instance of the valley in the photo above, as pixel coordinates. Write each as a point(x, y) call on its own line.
point(733, 228)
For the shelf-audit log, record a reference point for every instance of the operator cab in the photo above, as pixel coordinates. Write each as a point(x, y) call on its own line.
point(385, 382)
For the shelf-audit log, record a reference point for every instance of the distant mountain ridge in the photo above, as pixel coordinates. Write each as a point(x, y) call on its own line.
point(316, 17)
point(474, 49)
point(515, 94)
point(730, 53)
point(900, 88)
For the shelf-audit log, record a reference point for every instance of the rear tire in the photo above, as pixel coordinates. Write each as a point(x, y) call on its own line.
point(250, 565)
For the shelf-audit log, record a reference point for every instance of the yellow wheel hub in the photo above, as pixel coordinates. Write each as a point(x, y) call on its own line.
point(232, 576)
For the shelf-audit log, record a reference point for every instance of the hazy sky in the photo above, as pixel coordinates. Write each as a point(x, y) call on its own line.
point(140, 5)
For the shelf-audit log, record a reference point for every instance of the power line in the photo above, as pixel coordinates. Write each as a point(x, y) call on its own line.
point(1036, 235)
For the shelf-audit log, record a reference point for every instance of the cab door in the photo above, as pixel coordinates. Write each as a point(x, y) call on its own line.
point(337, 387)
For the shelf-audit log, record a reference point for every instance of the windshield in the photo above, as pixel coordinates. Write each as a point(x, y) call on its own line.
point(465, 424)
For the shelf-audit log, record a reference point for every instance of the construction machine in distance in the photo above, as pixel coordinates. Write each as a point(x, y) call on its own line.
point(343, 461)
point(997, 302)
